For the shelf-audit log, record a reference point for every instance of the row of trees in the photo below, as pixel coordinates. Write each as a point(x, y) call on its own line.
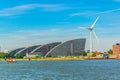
point(10, 55)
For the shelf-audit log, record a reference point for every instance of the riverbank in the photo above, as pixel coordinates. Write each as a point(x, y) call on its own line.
point(65, 58)
point(51, 58)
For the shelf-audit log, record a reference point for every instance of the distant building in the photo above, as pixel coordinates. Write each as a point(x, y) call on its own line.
point(116, 49)
point(30, 56)
point(5, 51)
point(105, 55)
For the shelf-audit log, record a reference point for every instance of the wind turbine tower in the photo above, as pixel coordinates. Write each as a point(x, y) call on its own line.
point(91, 29)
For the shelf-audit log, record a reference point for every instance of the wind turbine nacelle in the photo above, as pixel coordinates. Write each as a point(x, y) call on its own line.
point(90, 29)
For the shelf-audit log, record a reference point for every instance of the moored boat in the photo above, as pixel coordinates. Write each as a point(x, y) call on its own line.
point(10, 60)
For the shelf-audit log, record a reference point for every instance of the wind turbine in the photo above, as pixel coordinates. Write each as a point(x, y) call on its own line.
point(91, 29)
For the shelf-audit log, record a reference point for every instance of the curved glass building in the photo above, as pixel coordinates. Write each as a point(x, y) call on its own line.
point(16, 50)
point(73, 47)
point(69, 48)
point(42, 50)
point(27, 50)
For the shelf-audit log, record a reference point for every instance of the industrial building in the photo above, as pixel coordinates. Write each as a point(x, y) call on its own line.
point(116, 49)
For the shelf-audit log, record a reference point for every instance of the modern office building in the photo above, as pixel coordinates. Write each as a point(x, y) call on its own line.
point(69, 48)
point(42, 50)
point(116, 49)
point(27, 50)
point(73, 47)
point(16, 50)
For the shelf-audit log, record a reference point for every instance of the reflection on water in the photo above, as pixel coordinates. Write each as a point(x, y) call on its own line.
point(61, 70)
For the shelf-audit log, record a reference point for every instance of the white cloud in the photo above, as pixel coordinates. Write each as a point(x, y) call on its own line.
point(109, 11)
point(38, 32)
point(24, 8)
point(89, 13)
point(81, 13)
point(25, 35)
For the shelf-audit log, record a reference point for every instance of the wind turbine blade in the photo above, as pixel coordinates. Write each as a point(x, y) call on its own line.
point(95, 35)
point(83, 28)
point(94, 22)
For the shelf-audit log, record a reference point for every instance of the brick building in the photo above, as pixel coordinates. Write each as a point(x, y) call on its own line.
point(116, 49)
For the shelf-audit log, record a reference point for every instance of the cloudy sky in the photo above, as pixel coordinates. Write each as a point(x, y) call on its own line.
point(30, 22)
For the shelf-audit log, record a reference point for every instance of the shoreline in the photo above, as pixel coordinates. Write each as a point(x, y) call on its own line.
point(68, 58)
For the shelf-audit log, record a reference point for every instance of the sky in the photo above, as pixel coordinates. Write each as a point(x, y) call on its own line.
point(25, 23)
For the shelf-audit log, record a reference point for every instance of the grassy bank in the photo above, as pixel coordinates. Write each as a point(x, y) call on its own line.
point(63, 58)
point(58, 58)
point(52, 58)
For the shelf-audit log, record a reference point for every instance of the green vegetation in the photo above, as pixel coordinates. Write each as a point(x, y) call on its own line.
point(38, 56)
point(110, 51)
point(2, 55)
point(10, 55)
point(85, 53)
point(93, 54)
point(19, 56)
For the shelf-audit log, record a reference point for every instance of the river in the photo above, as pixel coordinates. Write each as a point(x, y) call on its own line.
point(61, 70)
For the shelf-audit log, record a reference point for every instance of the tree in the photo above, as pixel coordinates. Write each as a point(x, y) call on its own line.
point(19, 55)
point(84, 53)
point(110, 51)
point(2, 55)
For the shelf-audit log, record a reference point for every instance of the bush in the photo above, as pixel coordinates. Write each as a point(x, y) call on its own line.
point(38, 56)
point(110, 51)
point(2, 55)
point(85, 53)
point(19, 56)
point(93, 54)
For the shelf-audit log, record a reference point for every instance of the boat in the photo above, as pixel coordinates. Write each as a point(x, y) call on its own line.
point(10, 60)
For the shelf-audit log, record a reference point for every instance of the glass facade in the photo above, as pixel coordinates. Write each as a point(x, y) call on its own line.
point(69, 48)
point(45, 48)
point(27, 50)
point(16, 50)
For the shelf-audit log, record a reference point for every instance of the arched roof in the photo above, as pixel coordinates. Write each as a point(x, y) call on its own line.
point(70, 47)
point(16, 50)
point(27, 49)
point(44, 48)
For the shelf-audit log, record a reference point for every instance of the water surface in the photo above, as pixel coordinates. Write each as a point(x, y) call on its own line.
point(61, 70)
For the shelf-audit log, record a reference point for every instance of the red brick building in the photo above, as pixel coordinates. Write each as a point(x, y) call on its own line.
point(116, 49)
